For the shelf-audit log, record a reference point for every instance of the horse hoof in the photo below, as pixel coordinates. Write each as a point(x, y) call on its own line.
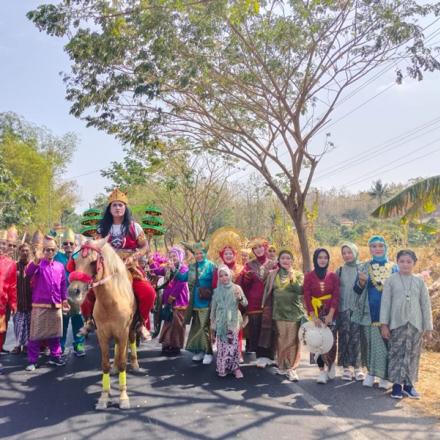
point(124, 404)
point(102, 404)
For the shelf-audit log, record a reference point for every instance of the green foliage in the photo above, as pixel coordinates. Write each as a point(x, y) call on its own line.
point(35, 160)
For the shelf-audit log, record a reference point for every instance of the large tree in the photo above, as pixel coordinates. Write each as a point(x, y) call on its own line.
point(256, 80)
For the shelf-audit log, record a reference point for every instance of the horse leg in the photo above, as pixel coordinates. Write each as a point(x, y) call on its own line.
point(105, 362)
point(124, 402)
point(114, 369)
point(133, 350)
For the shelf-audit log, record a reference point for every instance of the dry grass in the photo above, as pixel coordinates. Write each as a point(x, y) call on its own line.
point(428, 385)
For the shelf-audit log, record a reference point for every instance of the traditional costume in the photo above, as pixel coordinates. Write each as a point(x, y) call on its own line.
point(175, 300)
point(374, 348)
point(321, 293)
point(226, 321)
point(49, 291)
point(8, 289)
point(349, 332)
point(283, 313)
point(73, 315)
point(22, 318)
point(251, 280)
point(130, 244)
point(199, 278)
point(406, 309)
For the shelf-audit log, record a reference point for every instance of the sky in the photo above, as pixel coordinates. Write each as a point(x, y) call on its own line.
point(372, 131)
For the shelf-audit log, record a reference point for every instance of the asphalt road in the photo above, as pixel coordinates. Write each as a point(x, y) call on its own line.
point(173, 398)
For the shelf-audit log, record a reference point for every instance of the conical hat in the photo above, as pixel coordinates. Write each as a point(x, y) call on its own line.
point(317, 340)
point(37, 238)
point(12, 234)
point(69, 235)
point(224, 237)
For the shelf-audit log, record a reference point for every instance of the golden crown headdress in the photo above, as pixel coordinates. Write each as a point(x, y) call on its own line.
point(118, 196)
point(224, 237)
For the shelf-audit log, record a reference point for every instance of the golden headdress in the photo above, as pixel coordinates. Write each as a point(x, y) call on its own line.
point(222, 238)
point(37, 239)
point(69, 235)
point(117, 196)
point(3, 234)
point(12, 234)
point(258, 241)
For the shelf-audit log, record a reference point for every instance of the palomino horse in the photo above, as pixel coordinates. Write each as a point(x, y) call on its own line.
point(98, 266)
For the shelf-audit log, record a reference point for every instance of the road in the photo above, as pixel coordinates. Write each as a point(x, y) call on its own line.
point(173, 398)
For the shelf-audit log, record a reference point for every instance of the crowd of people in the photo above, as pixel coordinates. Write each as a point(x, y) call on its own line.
point(236, 300)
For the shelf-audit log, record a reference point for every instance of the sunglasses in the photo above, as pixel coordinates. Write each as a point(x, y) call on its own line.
point(68, 243)
point(49, 249)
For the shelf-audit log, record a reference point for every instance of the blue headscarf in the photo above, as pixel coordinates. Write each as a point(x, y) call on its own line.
point(379, 239)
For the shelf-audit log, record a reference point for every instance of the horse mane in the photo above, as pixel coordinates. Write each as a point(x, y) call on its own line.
point(114, 265)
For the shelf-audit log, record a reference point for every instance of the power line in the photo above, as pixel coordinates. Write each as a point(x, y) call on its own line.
point(382, 148)
point(382, 170)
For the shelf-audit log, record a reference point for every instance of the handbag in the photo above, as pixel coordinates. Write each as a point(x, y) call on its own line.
point(205, 292)
point(166, 313)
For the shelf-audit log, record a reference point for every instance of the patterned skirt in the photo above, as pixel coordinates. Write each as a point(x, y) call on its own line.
point(288, 345)
point(349, 341)
point(404, 354)
point(199, 338)
point(228, 354)
point(173, 332)
point(374, 351)
point(22, 327)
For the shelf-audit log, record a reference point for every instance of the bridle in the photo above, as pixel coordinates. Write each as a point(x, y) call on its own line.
point(83, 277)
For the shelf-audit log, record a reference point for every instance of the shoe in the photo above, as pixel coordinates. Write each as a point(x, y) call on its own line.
point(263, 362)
point(144, 334)
point(410, 391)
point(79, 350)
point(280, 372)
point(332, 372)
point(322, 378)
point(397, 391)
point(207, 359)
point(4, 351)
point(238, 374)
point(31, 367)
point(384, 384)
point(368, 381)
point(346, 375)
point(241, 361)
point(359, 375)
point(58, 361)
point(16, 350)
point(292, 375)
point(198, 357)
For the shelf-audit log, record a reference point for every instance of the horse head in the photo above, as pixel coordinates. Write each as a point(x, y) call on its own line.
point(88, 270)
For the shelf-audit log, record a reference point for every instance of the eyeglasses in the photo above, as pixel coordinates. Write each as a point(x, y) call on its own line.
point(49, 249)
point(68, 243)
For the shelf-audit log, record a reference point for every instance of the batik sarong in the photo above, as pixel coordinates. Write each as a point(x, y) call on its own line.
point(199, 338)
point(288, 345)
point(228, 354)
point(374, 351)
point(46, 323)
point(22, 327)
point(173, 332)
point(404, 354)
point(349, 341)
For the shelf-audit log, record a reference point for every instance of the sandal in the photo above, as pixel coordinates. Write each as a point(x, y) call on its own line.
point(16, 350)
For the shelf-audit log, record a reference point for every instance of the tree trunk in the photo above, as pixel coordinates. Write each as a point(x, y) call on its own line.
point(301, 233)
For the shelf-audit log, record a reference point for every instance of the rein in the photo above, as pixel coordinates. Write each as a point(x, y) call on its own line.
point(82, 276)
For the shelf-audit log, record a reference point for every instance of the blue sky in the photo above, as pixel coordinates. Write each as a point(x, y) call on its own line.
point(31, 86)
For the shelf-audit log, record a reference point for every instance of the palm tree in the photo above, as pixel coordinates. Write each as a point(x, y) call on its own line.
point(379, 191)
point(422, 197)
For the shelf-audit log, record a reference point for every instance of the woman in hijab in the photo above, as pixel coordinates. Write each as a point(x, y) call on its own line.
point(226, 322)
point(369, 285)
point(175, 300)
point(321, 298)
point(349, 332)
